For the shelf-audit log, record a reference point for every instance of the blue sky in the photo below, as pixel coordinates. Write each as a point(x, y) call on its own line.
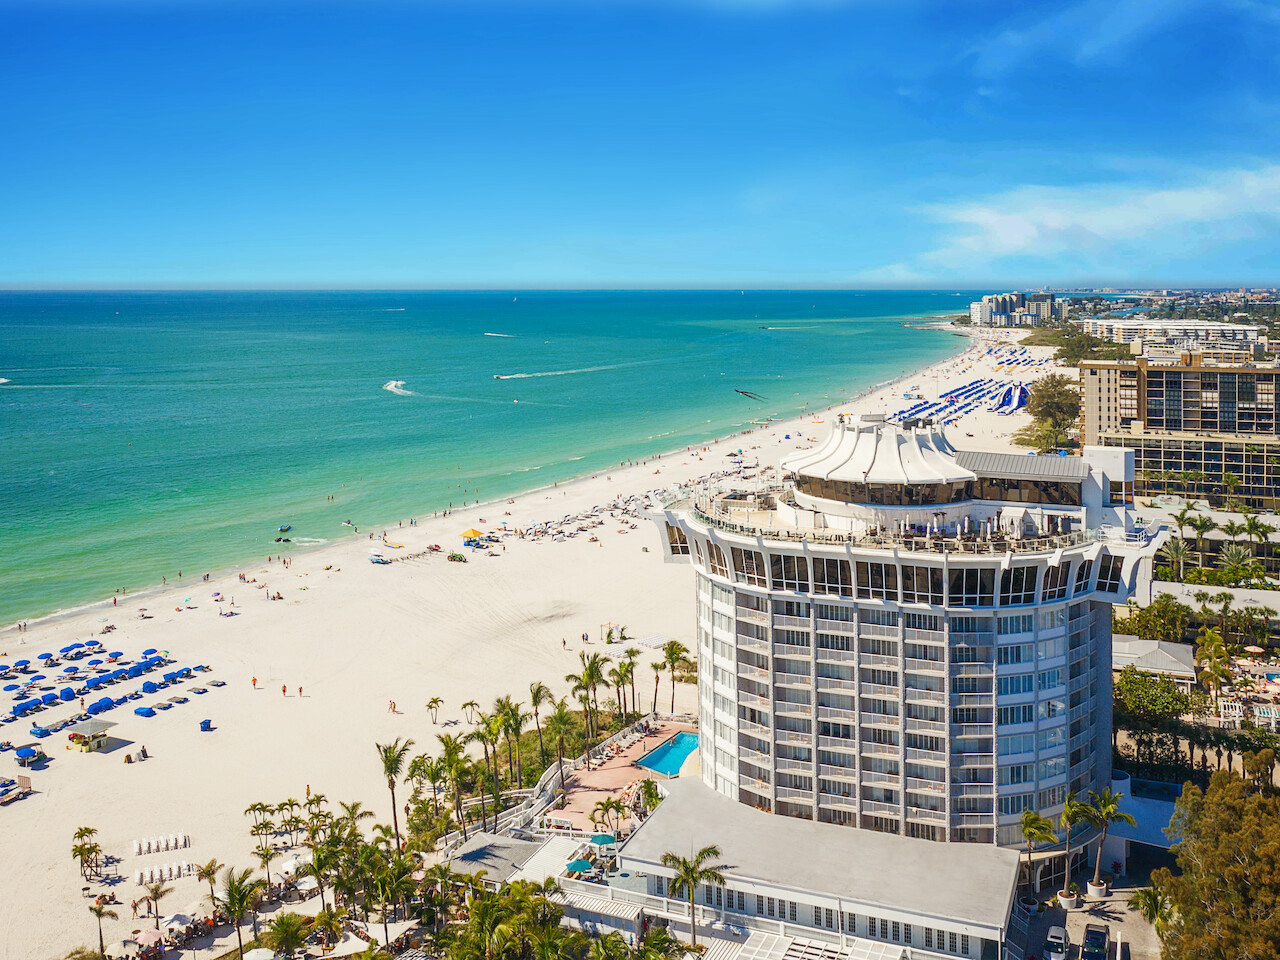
point(757, 143)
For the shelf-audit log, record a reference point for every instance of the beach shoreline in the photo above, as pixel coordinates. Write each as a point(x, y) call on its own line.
point(153, 590)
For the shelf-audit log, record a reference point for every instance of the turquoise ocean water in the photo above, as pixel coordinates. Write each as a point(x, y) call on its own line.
point(146, 433)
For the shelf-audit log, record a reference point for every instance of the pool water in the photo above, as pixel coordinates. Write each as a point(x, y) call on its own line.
point(668, 758)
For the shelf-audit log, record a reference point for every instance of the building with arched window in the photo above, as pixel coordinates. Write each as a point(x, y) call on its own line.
point(904, 637)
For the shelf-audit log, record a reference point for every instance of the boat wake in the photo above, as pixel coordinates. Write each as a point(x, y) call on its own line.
point(397, 387)
point(565, 373)
point(309, 540)
point(4, 379)
point(509, 336)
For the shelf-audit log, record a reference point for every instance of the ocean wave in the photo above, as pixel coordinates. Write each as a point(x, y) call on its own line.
point(397, 387)
point(393, 309)
point(565, 373)
point(510, 336)
point(309, 540)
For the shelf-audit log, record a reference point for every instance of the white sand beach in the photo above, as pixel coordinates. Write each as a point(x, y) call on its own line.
point(348, 637)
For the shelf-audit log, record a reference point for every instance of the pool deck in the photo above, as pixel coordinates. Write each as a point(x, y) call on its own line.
point(586, 787)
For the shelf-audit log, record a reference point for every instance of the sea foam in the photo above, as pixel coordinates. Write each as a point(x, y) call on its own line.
point(397, 387)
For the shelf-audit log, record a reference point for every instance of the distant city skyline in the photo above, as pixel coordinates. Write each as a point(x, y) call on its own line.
point(687, 144)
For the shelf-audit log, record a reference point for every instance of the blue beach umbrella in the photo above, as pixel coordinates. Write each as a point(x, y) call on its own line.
point(21, 663)
point(74, 646)
point(44, 656)
point(95, 663)
point(71, 670)
point(116, 655)
point(149, 652)
point(10, 687)
point(38, 676)
point(25, 752)
point(578, 866)
point(604, 839)
point(93, 643)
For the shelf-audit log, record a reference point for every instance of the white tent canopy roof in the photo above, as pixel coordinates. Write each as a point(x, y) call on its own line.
point(869, 450)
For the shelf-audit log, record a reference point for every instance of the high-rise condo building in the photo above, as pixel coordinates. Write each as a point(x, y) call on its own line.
point(902, 637)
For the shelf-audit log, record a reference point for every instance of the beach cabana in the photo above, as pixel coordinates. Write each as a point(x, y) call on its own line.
point(144, 711)
point(137, 670)
point(149, 687)
point(66, 693)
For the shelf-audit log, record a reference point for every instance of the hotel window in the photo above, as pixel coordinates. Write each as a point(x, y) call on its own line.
point(829, 611)
point(742, 901)
point(922, 585)
point(830, 919)
point(832, 576)
point(1022, 713)
point(1109, 573)
point(972, 587)
point(951, 938)
point(921, 621)
point(1056, 580)
point(964, 944)
point(718, 565)
point(1053, 707)
point(928, 938)
point(1017, 773)
point(1053, 618)
point(817, 916)
point(1048, 649)
point(759, 905)
point(1022, 623)
point(871, 926)
point(1121, 493)
point(677, 541)
point(1055, 767)
point(791, 911)
point(769, 901)
point(885, 618)
point(749, 565)
point(884, 929)
point(897, 931)
point(967, 715)
point(1053, 737)
point(877, 581)
point(1083, 576)
point(1016, 743)
point(851, 923)
point(906, 933)
point(1015, 653)
point(1014, 805)
point(1048, 679)
point(697, 549)
point(1053, 796)
point(1012, 686)
point(1018, 586)
point(708, 897)
point(789, 573)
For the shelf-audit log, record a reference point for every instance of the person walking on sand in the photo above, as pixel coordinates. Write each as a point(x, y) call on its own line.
point(299, 693)
point(255, 683)
point(284, 690)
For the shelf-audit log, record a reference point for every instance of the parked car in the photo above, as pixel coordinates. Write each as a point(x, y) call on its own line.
point(1056, 944)
point(1096, 943)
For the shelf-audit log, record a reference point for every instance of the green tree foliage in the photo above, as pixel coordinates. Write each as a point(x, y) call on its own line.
point(1226, 899)
point(1165, 618)
point(1054, 405)
point(1147, 698)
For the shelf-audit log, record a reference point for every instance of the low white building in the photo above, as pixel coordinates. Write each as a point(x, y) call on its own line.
point(1160, 657)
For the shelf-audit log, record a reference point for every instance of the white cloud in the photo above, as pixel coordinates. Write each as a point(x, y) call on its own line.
point(1094, 223)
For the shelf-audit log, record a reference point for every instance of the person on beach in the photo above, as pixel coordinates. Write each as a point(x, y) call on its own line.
point(255, 683)
point(284, 690)
point(299, 693)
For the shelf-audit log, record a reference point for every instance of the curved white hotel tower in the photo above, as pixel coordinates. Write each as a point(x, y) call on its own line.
point(906, 638)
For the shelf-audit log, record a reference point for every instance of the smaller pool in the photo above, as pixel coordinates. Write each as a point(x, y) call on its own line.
point(668, 758)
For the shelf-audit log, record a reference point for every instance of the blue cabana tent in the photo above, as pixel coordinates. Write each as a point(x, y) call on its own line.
point(144, 711)
point(137, 670)
point(49, 698)
point(149, 687)
point(66, 693)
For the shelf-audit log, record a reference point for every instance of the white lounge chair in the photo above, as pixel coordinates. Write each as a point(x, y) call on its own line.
point(173, 842)
point(137, 848)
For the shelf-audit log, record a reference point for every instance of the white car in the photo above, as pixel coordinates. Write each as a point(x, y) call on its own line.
point(1056, 944)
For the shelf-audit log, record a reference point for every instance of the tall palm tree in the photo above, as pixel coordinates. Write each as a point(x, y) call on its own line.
point(538, 695)
point(324, 860)
point(208, 873)
point(1073, 812)
point(559, 726)
point(581, 691)
point(1236, 560)
point(422, 769)
point(1104, 811)
point(656, 667)
point(674, 656)
point(1212, 658)
point(155, 893)
point(513, 723)
point(1176, 552)
point(99, 911)
point(265, 856)
point(238, 898)
point(1183, 518)
point(630, 656)
point(394, 884)
point(286, 933)
point(434, 705)
point(501, 708)
point(453, 757)
point(689, 875)
point(1233, 529)
point(393, 756)
point(1036, 829)
point(328, 923)
point(1154, 905)
point(1202, 525)
point(617, 677)
point(1257, 530)
point(469, 708)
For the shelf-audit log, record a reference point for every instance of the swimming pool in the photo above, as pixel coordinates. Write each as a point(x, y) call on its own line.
point(668, 758)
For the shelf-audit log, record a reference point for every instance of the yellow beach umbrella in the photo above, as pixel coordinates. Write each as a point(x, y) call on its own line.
point(473, 532)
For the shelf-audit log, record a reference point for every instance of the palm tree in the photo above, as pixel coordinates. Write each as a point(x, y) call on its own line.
point(675, 655)
point(560, 725)
point(1104, 811)
point(1035, 830)
point(239, 896)
point(617, 677)
point(1176, 552)
point(513, 724)
point(656, 667)
point(453, 758)
point(393, 756)
point(394, 884)
point(1073, 812)
point(501, 707)
point(1201, 525)
point(629, 657)
point(100, 911)
point(324, 860)
point(155, 893)
point(1211, 657)
point(1236, 561)
point(690, 874)
point(328, 923)
point(1154, 905)
point(209, 873)
point(434, 705)
point(286, 933)
point(470, 707)
point(1257, 530)
point(538, 695)
point(1183, 518)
